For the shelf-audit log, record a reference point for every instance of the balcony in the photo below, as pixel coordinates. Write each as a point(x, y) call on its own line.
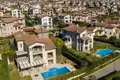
point(37, 50)
point(19, 53)
point(37, 58)
point(24, 58)
point(50, 56)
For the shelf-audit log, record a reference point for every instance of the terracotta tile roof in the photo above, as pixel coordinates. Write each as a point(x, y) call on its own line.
point(110, 26)
point(17, 24)
point(67, 36)
point(85, 38)
point(31, 39)
point(90, 28)
point(10, 19)
point(42, 16)
point(40, 31)
point(28, 29)
point(21, 36)
point(72, 28)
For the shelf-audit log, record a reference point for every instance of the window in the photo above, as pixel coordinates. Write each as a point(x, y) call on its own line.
point(83, 35)
point(3, 24)
point(50, 55)
point(66, 21)
point(110, 33)
point(20, 45)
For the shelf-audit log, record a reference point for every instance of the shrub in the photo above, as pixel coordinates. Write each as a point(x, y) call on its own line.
point(58, 42)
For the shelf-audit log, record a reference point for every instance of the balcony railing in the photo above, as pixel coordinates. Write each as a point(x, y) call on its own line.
point(37, 58)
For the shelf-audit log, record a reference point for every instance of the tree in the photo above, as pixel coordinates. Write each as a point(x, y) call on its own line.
point(29, 21)
point(112, 38)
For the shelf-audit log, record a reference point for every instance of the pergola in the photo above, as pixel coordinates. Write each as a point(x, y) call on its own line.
point(26, 65)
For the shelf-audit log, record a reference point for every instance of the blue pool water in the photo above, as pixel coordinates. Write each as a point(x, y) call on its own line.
point(104, 52)
point(54, 72)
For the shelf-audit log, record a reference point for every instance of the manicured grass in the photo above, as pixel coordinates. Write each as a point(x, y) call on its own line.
point(101, 45)
point(14, 74)
point(117, 74)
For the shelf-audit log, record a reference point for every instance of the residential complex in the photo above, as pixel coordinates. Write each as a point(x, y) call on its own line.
point(59, 39)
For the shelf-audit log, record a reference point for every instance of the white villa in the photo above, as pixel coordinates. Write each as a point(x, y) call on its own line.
point(46, 22)
point(16, 13)
point(34, 50)
point(67, 19)
point(77, 37)
point(9, 25)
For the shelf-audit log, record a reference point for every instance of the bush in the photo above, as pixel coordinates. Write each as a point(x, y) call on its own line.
point(112, 38)
point(58, 42)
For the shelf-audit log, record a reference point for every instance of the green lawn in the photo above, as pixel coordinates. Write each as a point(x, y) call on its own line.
point(117, 74)
point(101, 45)
point(14, 74)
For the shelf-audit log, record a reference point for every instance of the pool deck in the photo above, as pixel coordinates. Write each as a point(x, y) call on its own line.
point(35, 72)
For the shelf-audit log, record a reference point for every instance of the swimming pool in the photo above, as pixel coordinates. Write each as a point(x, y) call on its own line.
point(54, 72)
point(104, 52)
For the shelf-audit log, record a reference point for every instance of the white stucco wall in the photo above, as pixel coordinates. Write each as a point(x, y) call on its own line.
point(31, 53)
point(20, 45)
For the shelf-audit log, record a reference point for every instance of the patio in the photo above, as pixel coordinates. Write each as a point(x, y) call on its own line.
point(35, 72)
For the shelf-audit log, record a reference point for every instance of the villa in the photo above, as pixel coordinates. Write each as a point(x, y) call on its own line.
point(66, 18)
point(78, 37)
point(16, 13)
point(34, 50)
point(45, 21)
point(11, 25)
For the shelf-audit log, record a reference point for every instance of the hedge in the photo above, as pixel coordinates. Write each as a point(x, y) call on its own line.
point(4, 68)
